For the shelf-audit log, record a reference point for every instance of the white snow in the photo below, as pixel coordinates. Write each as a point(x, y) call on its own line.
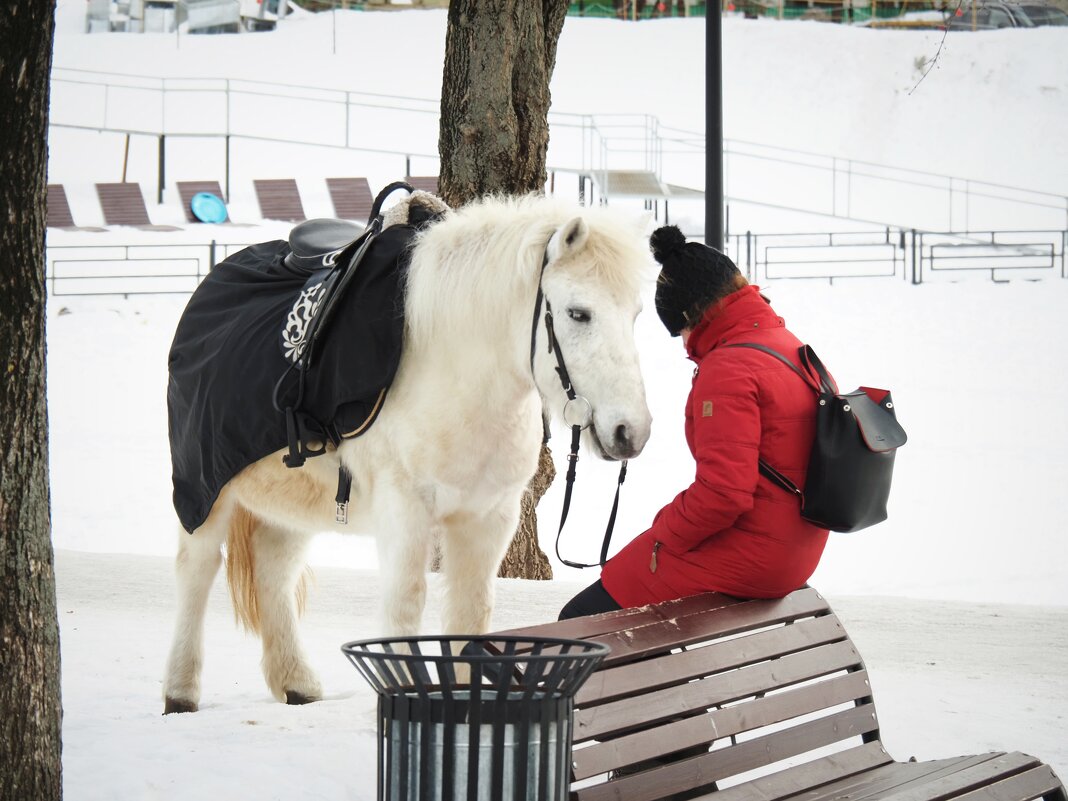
point(958, 602)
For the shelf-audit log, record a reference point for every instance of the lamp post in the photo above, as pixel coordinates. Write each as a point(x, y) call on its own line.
point(713, 124)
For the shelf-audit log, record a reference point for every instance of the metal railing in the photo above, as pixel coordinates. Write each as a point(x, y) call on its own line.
point(392, 125)
point(907, 255)
point(912, 256)
point(85, 270)
point(834, 186)
point(1001, 255)
point(227, 109)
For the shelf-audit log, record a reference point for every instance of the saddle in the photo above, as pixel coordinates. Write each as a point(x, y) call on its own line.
point(313, 242)
point(286, 345)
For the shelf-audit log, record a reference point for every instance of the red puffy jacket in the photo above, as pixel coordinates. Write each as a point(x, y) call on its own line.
point(732, 530)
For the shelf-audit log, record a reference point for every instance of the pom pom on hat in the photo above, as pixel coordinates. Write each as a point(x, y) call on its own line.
point(666, 240)
point(693, 277)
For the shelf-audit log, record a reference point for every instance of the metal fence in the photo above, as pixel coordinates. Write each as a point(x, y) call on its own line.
point(82, 270)
point(907, 255)
point(912, 256)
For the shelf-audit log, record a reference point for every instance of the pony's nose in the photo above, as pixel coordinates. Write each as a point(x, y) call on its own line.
point(624, 442)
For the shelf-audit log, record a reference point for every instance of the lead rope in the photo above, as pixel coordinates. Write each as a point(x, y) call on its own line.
point(576, 429)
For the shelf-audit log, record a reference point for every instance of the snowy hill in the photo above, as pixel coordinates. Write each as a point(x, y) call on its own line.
point(985, 111)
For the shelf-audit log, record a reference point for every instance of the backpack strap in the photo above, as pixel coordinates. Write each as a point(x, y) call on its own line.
point(776, 477)
point(808, 361)
point(812, 364)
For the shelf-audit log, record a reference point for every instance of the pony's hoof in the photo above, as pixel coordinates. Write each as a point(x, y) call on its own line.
point(173, 705)
point(296, 699)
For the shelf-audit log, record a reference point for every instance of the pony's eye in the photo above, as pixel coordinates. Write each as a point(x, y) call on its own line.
point(579, 315)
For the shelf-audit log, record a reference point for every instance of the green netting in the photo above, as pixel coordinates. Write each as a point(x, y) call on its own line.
point(609, 11)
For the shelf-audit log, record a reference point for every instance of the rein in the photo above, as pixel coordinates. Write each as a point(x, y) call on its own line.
point(576, 428)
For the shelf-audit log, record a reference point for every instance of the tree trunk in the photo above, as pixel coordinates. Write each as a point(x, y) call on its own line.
point(499, 59)
point(525, 558)
point(30, 711)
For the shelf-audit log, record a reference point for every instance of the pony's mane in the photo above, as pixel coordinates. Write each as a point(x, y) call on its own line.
point(482, 259)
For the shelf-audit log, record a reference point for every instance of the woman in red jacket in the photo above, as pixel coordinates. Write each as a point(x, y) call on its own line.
point(731, 530)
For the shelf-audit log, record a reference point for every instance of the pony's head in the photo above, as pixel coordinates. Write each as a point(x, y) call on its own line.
point(592, 284)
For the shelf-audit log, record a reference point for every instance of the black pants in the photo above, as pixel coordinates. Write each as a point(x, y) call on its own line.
point(591, 601)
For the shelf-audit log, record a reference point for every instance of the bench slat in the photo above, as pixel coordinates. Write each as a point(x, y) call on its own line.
point(1037, 782)
point(722, 688)
point(802, 778)
point(893, 778)
point(595, 625)
point(758, 752)
point(662, 671)
point(684, 630)
point(966, 780)
point(710, 605)
point(719, 724)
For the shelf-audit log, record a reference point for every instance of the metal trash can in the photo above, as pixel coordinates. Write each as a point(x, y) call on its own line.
point(463, 719)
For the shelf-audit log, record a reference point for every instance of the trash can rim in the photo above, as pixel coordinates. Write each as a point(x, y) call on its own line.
point(588, 649)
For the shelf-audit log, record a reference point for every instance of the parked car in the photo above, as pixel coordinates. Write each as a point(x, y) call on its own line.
point(1045, 15)
point(987, 17)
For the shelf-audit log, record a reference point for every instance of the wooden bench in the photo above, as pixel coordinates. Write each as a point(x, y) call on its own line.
point(727, 700)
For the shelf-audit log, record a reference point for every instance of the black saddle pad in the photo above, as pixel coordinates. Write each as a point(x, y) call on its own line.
point(226, 360)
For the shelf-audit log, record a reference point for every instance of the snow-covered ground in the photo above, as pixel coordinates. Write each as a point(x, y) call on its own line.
point(949, 678)
point(958, 602)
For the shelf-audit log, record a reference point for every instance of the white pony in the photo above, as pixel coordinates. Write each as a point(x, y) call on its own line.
point(457, 439)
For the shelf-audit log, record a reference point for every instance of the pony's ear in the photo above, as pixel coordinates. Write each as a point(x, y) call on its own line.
point(569, 238)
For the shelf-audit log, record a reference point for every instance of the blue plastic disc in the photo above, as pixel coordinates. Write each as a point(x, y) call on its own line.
point(208, 208)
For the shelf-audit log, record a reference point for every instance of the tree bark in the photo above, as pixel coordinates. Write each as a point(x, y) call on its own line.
point(499, 59)
point(525, 558)
point(30, 709)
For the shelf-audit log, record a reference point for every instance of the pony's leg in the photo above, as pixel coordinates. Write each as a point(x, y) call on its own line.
point(403, 558)
point(472, 548)
point(199, 556)
point(278, 578)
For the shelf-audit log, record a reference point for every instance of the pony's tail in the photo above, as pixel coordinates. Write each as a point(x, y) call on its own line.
point(241, 571)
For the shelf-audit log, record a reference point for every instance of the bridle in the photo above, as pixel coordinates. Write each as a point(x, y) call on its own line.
point(573, 401)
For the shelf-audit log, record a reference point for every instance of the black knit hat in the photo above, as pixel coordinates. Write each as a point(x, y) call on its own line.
point(693, 277)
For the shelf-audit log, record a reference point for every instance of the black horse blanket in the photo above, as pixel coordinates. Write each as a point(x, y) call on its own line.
point(235, 362)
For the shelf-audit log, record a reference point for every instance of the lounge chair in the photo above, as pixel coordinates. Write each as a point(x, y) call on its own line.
point(279, 199)
point(352, 198)
point(123, 204)
point(186, 191)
